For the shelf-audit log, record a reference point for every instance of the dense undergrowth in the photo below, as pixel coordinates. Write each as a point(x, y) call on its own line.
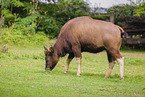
point(18, 38)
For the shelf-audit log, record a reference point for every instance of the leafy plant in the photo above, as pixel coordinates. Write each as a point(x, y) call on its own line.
point(50, 26)
point(17, 37)
point(8, 16)
point(140, 11)
point(26, 25)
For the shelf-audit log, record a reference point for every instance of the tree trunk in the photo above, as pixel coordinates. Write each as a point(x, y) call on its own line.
point(11, 8)
point(1, 23)
point(112, 16)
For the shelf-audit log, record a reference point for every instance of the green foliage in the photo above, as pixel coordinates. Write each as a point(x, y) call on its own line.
point(17, 3)
point(7, 8)
point(69, 9)
point(26, 25)
point(26, 17)
point(7, 13)
point(134, 9)
point(11, 36)
point(140, 11)
point(122, 10)
point(139, 7)
point(8, 16)
point(73, 6)
point(49, 25)
point(7, 3)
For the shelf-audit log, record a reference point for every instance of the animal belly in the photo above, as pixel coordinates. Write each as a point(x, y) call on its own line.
point(92, 48)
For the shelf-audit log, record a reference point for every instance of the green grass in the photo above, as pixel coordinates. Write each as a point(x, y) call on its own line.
point(22, 75)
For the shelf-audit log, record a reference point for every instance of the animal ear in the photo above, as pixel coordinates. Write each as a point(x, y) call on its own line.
point(46, 51)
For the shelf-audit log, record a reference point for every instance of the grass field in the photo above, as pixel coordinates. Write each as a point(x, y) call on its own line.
point(22, 75)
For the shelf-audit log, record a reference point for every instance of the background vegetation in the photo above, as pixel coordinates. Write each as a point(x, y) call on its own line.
point(22, 19)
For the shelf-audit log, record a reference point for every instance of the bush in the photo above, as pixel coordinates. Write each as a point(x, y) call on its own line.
point(26, 25)
point(29, 24)
point(49, 25)
point(16, 37)
point(9, 18)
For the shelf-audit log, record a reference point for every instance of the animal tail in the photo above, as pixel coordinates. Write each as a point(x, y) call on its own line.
point(123, 33)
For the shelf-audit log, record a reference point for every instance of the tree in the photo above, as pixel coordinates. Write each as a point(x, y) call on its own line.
point(140, 11)
point(134, 9)
point(7, 10)
point(139, 7)
point(122, 10)
point(29, 16)
point(73, 8)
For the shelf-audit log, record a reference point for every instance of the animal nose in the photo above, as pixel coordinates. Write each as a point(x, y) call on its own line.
point(47, 69)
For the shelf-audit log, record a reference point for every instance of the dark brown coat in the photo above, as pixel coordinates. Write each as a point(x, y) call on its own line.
point(84, 34)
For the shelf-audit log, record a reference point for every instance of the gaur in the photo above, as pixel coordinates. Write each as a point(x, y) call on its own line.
point(85, 34)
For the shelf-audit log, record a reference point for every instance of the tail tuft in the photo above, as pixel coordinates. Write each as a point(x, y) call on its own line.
point(124, 34)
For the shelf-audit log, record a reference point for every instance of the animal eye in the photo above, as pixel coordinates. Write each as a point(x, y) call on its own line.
point(50, 54)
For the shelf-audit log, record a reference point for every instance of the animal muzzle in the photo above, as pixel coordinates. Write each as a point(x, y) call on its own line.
point(48, 69)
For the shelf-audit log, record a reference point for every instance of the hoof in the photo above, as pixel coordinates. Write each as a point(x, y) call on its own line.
point(65, 72)
point(122, 78)
point(106, 76)
point(79, 74)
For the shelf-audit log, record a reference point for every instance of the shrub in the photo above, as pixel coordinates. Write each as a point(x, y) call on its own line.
point(49, 25)
point(16, 37)
point(8, 16)
point(26, 25)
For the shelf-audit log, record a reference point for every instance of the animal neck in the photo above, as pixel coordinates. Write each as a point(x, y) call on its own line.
point(59, 47)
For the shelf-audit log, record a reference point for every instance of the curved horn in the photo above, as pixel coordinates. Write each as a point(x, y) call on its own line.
point(45, 47)
point(51, 45)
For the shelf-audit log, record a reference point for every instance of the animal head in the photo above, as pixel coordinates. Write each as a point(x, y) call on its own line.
point(50, 58)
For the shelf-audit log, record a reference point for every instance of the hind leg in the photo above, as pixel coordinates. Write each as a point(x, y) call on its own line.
point(121, 64)
point(111, 65)
point(79, 66)
point(116, 56)
point(69, 59)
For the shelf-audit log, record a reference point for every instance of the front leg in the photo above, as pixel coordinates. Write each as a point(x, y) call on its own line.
point(77, 53)
point(79, 66)
point(69, 59)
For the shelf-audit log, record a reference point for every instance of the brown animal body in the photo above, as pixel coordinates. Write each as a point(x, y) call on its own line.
point(84, 34)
